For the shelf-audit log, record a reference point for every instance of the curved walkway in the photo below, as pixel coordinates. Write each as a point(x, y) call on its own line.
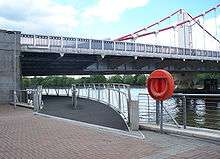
point(88, 111)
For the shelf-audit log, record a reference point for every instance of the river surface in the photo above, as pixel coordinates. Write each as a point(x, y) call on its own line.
point(200, 112)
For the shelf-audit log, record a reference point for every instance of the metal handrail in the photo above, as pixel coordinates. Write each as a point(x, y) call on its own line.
point(183, 99)
point(93, 90)
point(70, 45)
point(121, 105)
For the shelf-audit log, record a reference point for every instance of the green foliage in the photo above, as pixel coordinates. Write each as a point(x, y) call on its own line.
point(98, 79)
point(201, 76)
point(63, 81)
point(115, 79)
point(128, 79)
point(141, 80)
point(26, 82)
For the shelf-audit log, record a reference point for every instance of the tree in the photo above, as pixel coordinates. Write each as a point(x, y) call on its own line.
point(129, 79)
point(97, 79)
point(26, 83)
point(115, 79)
point(141, 80)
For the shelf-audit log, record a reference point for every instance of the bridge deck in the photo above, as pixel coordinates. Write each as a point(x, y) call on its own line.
point(87, 111)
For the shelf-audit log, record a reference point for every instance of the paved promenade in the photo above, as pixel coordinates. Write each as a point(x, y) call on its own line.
point(88, 111)
point(24, 135)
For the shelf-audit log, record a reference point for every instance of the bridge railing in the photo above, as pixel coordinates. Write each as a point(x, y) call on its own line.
point(178, 111)
point(71, 45)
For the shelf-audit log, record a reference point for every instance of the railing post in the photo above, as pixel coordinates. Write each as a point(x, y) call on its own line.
point(99, 87)
point(157, 112)
point(109, 96)
point(48, 42)
point(88, 91)
point(14, 97)
point(119, 100)
point(61, 43)
point(102, 44)
point(184, 111)
point(36, 101)
point(148, 108)
point(90, 44)
point(129, 104)
point(76, 43)
point(34, 42)
point(74, 96)
point(161, 116)
point(134, 118)
point(39, 91)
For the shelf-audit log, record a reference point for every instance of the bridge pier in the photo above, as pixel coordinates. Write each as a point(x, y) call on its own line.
point(9, 64)
point(184, 80)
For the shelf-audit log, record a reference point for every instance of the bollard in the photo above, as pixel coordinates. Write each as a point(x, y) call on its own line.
point(134, 115)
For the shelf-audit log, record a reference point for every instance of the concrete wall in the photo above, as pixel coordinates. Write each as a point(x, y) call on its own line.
point(7, 58)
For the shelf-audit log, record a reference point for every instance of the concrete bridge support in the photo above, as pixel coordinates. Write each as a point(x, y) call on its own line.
point(9, 64)
point(184, 80)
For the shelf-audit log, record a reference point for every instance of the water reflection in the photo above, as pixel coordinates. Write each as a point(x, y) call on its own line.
point(200, 113)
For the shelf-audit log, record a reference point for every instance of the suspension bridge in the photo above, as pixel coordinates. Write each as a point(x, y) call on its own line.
point(178, 43)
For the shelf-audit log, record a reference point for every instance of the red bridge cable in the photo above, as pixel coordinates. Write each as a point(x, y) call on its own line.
point(129, 36)
point(145, 28)
point(203, 28)
point(171, 27)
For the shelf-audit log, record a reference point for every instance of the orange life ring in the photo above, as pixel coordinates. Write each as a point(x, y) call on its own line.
point(160, 85)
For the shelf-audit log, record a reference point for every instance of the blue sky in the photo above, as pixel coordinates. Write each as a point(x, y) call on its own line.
point(90, 18)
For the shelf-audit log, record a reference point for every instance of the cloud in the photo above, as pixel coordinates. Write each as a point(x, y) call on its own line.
point(111, 10)
point(38, 16)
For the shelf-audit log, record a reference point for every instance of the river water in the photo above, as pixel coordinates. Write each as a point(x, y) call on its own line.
point(200, 112)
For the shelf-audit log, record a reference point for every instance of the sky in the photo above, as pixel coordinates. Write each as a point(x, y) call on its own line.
point(101, 19)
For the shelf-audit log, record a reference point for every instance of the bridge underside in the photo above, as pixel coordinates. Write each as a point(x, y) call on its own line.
point(33, 64)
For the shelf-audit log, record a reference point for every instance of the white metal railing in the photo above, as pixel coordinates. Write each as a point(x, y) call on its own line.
point(24, 96)
point(115, 95)
point(31, 98)
point(148, 109)
point(74, 45)
point(173, 113)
